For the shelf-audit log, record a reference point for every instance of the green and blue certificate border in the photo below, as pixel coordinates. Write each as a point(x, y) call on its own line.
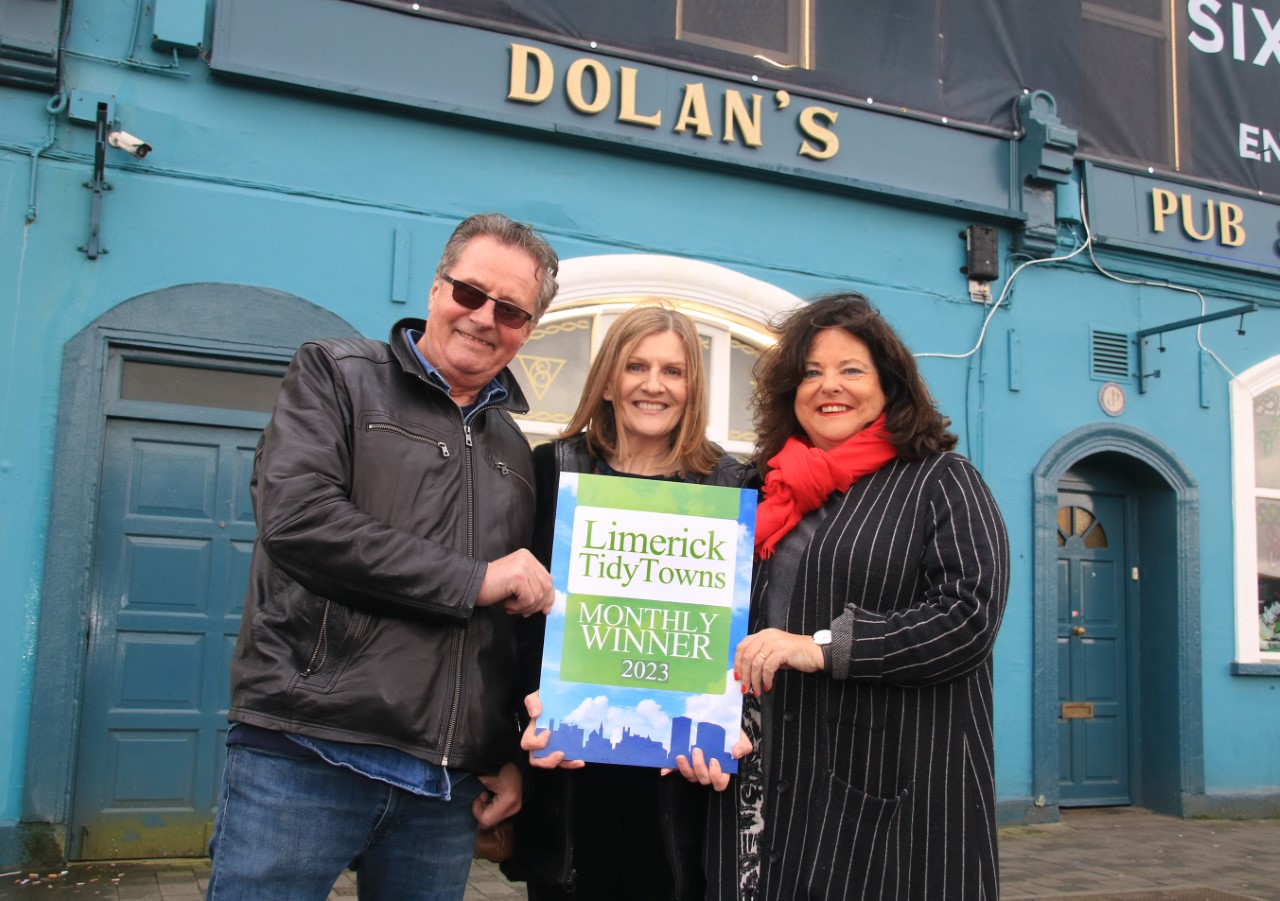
point(653, 585)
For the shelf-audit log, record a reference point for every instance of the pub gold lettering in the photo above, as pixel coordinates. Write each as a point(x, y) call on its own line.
point(1214, 218)
point(589, 88)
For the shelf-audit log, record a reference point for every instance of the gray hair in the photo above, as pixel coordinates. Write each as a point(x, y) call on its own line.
point(511, 234)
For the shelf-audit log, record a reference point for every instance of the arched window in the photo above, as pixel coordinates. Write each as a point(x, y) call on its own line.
point(1079, 524)
point(1255, 428)
point(731, 311)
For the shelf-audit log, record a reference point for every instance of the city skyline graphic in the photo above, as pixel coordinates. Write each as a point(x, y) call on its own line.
point(642, 750)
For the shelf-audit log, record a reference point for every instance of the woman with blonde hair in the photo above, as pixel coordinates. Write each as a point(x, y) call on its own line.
point(603, 831)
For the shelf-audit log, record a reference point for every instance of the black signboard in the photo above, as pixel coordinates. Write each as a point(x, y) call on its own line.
point(1186, 87)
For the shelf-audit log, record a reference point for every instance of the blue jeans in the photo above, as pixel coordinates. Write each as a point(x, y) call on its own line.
point(287, 827)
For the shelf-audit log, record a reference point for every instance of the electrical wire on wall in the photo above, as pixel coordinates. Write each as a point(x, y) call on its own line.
point(975, 451)
point(1004, 293)
point(1087, 244)
point(1186, 289)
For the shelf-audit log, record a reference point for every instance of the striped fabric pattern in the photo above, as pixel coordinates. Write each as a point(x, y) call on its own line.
point(881, 780)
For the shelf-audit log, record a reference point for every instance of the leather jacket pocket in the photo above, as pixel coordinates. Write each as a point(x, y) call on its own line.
point(340, 628)
point(510, 472)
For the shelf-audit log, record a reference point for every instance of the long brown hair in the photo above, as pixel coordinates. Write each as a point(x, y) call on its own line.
point(912, 421)
point(691, 452)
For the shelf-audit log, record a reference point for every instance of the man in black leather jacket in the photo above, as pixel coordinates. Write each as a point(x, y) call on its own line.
point(374, 708)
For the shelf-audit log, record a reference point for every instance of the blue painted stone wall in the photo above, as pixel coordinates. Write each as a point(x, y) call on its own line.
point(304, 193)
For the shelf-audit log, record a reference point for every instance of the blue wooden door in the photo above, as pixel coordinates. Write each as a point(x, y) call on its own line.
point(171, 561)
point(1093, 740)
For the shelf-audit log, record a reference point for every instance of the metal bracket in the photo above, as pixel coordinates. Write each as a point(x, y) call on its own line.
point(1141, 337)
point(99, 183)
point(1045, 158)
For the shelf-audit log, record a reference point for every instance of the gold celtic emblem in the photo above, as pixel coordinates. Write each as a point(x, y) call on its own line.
point(540, 372)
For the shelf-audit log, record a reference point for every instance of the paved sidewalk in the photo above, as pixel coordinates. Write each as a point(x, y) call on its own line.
point(1117, 854)
point(1101, 852)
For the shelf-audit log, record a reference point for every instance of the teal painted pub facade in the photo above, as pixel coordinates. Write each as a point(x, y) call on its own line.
point(305, 163)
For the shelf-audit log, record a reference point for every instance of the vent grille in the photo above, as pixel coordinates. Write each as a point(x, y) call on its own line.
point(1109, 355)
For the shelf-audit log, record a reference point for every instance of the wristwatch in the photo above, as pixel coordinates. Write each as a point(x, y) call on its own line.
point(822, 638)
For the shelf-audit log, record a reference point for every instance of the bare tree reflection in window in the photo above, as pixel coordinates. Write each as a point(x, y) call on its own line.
point(777, 32)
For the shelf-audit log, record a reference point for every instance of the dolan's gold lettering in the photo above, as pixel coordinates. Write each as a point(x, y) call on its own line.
point(521, 56)
point(627, 101)
point(693, 111)
point(1231, 218)
point(1189, 217)
point(573, 85)
point(737, 119)
point(533, 77)
point(828, 142)
point(1163, 204)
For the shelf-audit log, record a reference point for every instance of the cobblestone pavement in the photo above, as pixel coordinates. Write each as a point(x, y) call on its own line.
point(1116, 854)
point(1102, 852)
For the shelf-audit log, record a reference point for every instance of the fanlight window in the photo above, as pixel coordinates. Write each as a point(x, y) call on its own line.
point(1078, 526)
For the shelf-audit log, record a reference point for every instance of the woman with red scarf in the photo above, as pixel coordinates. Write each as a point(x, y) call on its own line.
point(882, 573)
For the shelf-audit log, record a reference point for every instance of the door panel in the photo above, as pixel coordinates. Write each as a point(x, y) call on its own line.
point(1092, 649)
point(171, 560)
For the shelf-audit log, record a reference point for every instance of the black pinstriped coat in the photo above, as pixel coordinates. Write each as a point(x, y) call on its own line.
point(881, 777)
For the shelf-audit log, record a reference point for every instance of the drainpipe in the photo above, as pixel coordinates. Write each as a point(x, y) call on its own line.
point(57, 103)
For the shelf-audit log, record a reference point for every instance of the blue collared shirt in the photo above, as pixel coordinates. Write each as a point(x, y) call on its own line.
point(494, 392)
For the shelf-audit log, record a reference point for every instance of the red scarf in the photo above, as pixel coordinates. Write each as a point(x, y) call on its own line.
point(801, 477)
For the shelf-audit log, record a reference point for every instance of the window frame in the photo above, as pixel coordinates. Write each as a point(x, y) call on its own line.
point(1245, 493)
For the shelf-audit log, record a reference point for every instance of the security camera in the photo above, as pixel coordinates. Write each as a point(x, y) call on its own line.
point(128, 143)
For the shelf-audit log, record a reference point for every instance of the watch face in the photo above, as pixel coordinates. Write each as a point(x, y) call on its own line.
point(822, 636)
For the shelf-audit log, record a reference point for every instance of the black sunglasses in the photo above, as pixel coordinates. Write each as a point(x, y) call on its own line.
point(504, 311)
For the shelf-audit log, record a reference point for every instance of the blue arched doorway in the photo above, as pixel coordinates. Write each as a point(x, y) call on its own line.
point(162, 399)
point(1156, 504)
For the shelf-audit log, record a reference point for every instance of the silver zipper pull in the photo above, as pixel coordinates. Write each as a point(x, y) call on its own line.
point(444, 448)
point(466, 430)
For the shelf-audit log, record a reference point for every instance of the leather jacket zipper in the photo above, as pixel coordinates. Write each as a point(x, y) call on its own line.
point(508, 471)
point(471, 495)
point(462, 630)
point(322, 643)
point(405, 433)
point(568, 872)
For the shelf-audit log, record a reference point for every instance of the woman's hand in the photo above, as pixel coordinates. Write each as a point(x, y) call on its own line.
point(761, 655)
point(709, 774)
point(532, 740)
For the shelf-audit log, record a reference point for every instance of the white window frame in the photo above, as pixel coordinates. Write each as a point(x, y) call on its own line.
point(1245, 491)
point(722, 302)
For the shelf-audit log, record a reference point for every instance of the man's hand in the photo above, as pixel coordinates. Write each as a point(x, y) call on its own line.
point(500, 798)
point(519, 582)
point(532, 740)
